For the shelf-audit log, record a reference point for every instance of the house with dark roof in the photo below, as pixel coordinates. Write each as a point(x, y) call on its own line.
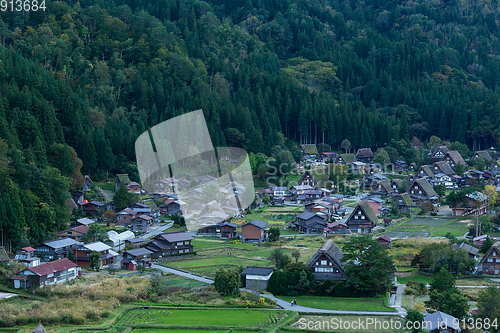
point(170, 243)
point(439, 154)
point(442, 179)
point(310, 223)
point(421, 190)
point(442, 167)
point(471, 250)
point(307, 179)
point(141, 223)
point(370, 182)
point(384, 187)
point(453, 158)
point(484, 154)
point(490, 264)
point(56, 249)
point(257, 278)
point(425, 171)
point(254, 231)
point(140, 256)
point(93, 207)
point(364, 155)
point(83, 221)
point(336, 228)
point(173, 206)
point(78, 197)
point(440, 322)
point(137, 241)
point(87, 186)
point(121, 179)
point(327, 263)
point(404, 202)
point(221, 229)
point(53, 272)
point(495, 167)
point(362, 219)
point(74, 233)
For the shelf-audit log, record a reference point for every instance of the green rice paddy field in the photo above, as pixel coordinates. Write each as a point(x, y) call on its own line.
point(212, 254)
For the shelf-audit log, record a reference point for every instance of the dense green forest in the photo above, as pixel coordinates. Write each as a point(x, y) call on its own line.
point(81, 81)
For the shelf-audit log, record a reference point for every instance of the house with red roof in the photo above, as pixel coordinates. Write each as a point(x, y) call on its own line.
point(124, 217)
point(53, 272)
point(134, 187)
point(384, 241)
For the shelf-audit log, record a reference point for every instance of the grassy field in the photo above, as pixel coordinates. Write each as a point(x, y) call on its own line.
point(223, 318)
point(412, 274)
point(429, 227)
point(212, 254)
point(342, 303)
point(377, 324)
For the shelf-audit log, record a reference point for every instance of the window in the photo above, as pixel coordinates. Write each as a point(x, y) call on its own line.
point(323, 262)
point(498, 260)
point(490, 260)
point(362, 217)
point(494, 253)
point(317, 263)
point(330, 263)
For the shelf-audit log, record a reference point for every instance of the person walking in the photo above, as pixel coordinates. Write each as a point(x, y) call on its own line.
point(291, 303)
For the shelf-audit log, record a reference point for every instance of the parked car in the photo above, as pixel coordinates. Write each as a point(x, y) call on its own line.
point(336, 217)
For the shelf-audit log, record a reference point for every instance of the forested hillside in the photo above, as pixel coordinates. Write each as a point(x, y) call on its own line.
point(82, 80)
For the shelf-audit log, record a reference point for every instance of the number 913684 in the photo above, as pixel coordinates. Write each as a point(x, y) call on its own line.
point(22, 5)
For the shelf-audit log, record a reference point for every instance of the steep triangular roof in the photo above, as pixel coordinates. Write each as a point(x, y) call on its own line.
point(348, 158)
point(495, 246)
point(426, 187)
point(443, 149)
point(367, 210)
point(427, 171)
point(387, 186)
point(406, 199)
point(39, 329)
point(365, 152)
point(484, 154)
point(210, 207)
point(445, 168)
point(123, 178)
point(331, 250)
point(309, 149)
point(304, 176)
point(3, 254)
point(456, 157)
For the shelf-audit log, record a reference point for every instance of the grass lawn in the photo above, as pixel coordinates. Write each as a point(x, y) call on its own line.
point(429, 227)
point(224, 318)
point(161, 330)
point(342, 303)
point(413, 275)
point(374, 324)
point(105, 185)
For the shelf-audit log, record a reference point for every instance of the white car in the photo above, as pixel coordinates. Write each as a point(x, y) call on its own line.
point(336, 217)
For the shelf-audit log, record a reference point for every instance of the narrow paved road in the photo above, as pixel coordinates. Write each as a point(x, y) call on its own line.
point(286, 305)
point(157, 230)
